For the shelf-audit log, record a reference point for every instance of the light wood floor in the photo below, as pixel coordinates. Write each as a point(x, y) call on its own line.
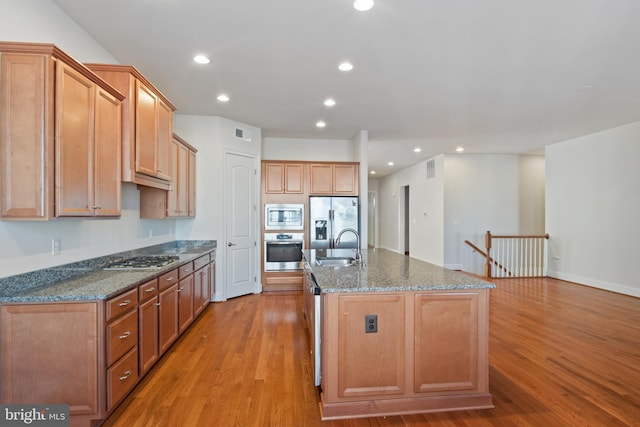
point(561, 354)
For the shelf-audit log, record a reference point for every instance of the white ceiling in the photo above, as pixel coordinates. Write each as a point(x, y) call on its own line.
point(494, 76)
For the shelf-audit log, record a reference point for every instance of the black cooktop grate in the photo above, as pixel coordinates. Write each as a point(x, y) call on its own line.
point(148, 262)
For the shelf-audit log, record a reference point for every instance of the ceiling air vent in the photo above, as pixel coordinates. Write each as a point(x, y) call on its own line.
point(431, 168)
point(243, 134)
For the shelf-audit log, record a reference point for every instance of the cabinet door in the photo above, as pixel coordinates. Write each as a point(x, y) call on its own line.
point(321, 178)
point(201, 282)
point(148, 349)
point(164, 133)
point(26, 136)
point(274, 178)
point(449, 329)
point(173, 193)
point(345, 179)
point(183, 181)
point(75, 101)
point(108, 142)
point(191, 202)
point(293, 178)
point(185, 298)
point(50, 354)
point(168, 315)
point(146, 130)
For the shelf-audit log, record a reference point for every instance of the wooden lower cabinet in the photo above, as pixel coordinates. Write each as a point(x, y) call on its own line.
point(52, 353)
point(148, 326)
point(185, 302)
point(429, 354)
point(168, 317)
point(89, 355)
point(282, 281)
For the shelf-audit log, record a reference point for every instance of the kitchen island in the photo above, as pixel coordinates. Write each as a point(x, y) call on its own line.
point(398, 335)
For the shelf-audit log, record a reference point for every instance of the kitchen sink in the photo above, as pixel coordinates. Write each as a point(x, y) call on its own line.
point(335, 261)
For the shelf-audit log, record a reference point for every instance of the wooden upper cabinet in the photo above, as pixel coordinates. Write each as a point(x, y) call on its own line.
point(334, 178)
point(282, 177)
point(108, 154)
point(26, 135)
point(59, 127)
point(146, 128)
point(87, 145)
point(179, 200)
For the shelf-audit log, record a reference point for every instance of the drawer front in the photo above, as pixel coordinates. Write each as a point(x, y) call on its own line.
point(122, 336)
point(148, 290)
point(201, 262)
point(166, 280)
point(186, 270)
point(121, 378)
point(121, 304)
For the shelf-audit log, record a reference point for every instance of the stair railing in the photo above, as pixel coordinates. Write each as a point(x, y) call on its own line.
point(514, 256)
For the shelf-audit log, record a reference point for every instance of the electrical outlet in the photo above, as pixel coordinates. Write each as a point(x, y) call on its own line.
point(56, 246)
point(370, 323)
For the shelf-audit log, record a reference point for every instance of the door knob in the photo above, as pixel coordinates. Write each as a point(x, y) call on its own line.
point(231, 244)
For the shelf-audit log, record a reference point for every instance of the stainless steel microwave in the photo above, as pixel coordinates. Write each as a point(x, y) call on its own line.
point(284, 217)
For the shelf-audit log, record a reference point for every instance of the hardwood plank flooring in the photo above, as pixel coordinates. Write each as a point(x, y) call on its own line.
point(560, 354)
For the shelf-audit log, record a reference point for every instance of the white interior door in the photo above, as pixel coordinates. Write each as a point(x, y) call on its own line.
point(240, 225)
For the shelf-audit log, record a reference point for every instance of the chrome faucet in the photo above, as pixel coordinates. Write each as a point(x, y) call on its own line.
point(358, 253)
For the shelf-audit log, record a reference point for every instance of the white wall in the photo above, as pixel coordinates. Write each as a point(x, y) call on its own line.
point(489, 192)
point(213, 137)
point(593, 206)
point(26, 246)
point(469, 195)
point(426, 208)
point(321, 150)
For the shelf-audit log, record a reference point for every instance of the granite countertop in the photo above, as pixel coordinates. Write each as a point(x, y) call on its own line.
point(386, 271)
point(87, 281)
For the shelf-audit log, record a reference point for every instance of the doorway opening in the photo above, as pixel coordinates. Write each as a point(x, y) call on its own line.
point(403, 220)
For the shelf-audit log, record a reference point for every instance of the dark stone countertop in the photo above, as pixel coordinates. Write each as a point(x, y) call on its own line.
point(86, 280)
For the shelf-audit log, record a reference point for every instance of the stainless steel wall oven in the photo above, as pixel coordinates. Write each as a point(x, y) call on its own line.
point(283, 251)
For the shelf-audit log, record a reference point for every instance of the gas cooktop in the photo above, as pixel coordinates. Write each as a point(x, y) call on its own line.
point(148, 262)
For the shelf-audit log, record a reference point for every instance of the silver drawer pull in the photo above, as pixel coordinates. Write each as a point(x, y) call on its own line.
point(125, 335)
point(149, 290)
point(125, 376)
point(169, 279)
point(125, 303)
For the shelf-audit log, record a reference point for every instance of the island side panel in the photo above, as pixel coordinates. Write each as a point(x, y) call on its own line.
point(442, 356)
point(450, 348)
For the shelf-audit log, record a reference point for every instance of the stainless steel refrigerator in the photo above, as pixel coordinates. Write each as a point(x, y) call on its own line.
point(328, 216)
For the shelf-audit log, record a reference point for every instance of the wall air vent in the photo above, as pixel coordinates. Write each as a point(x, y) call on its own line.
point(431, 168)
point(243, 134)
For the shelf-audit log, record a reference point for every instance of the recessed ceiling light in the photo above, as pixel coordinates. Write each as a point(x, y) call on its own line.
point(363, 5)
point(417, 150)
point(223, 98)
point(345, 66)
point(201, 59)
point(321, 124)
point(459, 149)
point(372, 172)
point(390, 163)
point(329, 102)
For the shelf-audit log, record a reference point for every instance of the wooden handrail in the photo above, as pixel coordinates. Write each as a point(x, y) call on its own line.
point(533, 236)
point(488, 238)
point(496, 263)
